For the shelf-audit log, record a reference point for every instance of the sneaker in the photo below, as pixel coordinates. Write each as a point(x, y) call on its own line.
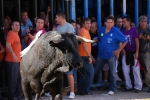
point(118, 78)
point(94, 88)
point(137, 91)
point(71, 96)
point(105, 81)
point(148, 90)
point(127, 90)
point(19, 97)
point(111, 93)
point(16, 99)
point(90, 93)
point(47, 94)
point(118, 86)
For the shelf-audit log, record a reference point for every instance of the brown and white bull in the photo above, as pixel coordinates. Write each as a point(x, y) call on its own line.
point(42, 66)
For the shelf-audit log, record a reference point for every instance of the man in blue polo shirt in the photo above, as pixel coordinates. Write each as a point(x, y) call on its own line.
point(109, 38)
point(25, 24)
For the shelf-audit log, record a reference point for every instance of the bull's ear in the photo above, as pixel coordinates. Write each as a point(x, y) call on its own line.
point(81, 39)
point(57, 39)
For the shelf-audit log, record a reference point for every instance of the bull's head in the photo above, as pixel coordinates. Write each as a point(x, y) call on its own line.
point(68, 44)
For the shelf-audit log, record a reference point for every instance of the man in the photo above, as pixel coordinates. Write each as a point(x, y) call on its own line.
point(144, 47)
point(25, 24)
point(13, 49)
point(85, 78)
point(118, 22)
point(30, 35)
point(64, 27)
point(130, 56)
point(109, 38)
point(73, 23)
point(93, 34)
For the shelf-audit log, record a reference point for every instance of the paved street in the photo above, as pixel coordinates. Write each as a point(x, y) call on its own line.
point(102, 95)
point(119, 95)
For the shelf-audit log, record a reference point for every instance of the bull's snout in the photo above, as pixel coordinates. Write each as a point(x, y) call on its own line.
point(79, 64)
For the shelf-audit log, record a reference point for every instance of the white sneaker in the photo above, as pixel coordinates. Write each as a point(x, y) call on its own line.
point(118, 78)
point(71, 96)
point(47, 94)
point(111, 93)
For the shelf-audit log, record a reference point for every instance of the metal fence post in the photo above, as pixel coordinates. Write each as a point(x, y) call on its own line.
point(136, 10)
point(85, 8)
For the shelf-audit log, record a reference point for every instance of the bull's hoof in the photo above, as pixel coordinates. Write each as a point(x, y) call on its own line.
point(58, 97)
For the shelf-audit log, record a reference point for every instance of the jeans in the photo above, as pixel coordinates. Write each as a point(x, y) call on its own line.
point(85, 76)
point(146, 58)
point(112, 71)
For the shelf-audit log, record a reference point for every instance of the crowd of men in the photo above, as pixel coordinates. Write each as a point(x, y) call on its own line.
point(117, 39)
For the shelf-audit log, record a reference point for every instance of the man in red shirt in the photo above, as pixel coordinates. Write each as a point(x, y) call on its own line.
point(13, 49)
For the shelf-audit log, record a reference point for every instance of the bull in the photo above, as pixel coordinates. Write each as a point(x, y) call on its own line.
point(42, 66)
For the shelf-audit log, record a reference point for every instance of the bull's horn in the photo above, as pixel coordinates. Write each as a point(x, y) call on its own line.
point(81, 39)
point(57, 39)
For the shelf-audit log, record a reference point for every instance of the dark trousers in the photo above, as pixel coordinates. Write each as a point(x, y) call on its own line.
point(14, 80)
point(85, 76)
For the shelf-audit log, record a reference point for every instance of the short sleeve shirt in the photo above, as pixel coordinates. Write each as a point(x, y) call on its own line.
point(109, 42)
point(131, 35)
point(1, 54)
point(84, 33)
point(43, 32)
point(14, 40)
point(23, 30)
point(67, 28)
point(144, 45)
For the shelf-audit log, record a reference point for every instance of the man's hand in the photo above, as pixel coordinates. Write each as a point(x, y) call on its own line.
point(141, 36)
point(48, 9)
point(95, 39)
point(93, 60)
point(123, 52)
point(15, 58)
point(27, 31)
point(147, 38)
point(90, 60)
point(116, 52)
point(117, 56)
point(136, 55)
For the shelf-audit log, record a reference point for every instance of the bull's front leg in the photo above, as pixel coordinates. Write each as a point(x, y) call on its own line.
point(26, 89)
point(62, 69)
point(58, 97)
point(46, 85)
point(37, 97)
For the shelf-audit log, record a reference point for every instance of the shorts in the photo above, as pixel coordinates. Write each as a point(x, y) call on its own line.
point(70, 72)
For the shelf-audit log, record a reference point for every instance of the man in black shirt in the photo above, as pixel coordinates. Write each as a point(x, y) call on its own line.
point(93, 34)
